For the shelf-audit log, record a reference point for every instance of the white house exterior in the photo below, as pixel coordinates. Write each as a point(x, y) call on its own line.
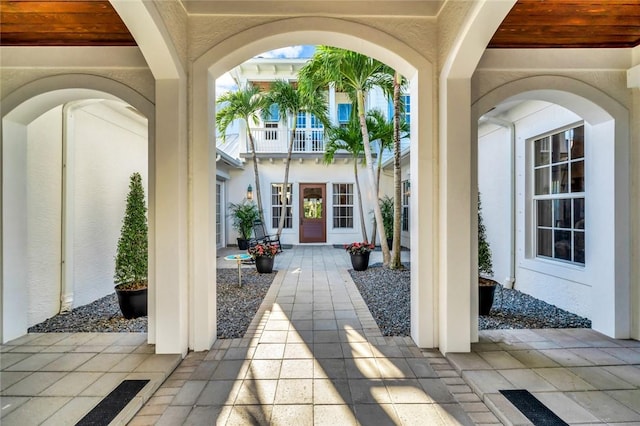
point(454, 80)
point(330, 187)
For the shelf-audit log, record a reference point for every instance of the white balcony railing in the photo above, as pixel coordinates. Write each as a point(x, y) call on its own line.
point(277, 140)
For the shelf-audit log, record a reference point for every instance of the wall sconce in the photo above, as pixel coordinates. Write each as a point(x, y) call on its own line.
point(249, 193)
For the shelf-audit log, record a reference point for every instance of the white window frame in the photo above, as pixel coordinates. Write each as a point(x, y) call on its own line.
point(556, 198)
point(275, 217)
point(335, 194)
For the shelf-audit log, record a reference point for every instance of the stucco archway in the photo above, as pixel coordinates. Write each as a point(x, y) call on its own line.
point(349, 35)
point(608, 274)
point(20, 108)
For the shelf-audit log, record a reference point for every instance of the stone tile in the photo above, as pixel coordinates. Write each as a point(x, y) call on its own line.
point(362, 368)
point(297, 369)
point(596, 356)
point(189, 393)
point(327, 350)
point(486, 381)
point(297, 350)
point(627, 355)
point(300, 336)
point(269, 351)
point(33, 384)
point(378, 414)
point(331, 391)
point(421, 367)
point(107, 339)
point(332, 415)
point(256, 392)
point(47, 339)
point(144, 420)
point(604, 407)
point(369, 391)
point(230, 370)
point(240, 353)
point(630, 398)
point(35, 411)
point(174, 416)
point(10, 358)
point(273, 336)
point(357, 350)
point(418, 414)
point(505, 410)
point(102, 362)
point(468, 361)
point(628, 373)
point(325, 324)
point(527, 379)
point(437, 391)
point(453, 414)
point(331, 368)
point(203, 415)
point(73, 411)
point(326, 336)
point(129, 363)
point(71, 384)
point(600, 379)
point(104, 384)
point(34, 362)
point(9, 378)
point(277, 325)
point(204, 370)
point(23, 340)
point(395, 368)
point(10, 403)
point(219, 392)
point(565, 357)
point(534, 359)
point(264, 369)
point(407, 391)
point(501, 360)
point(282, 415)
point(158, 363)
point(294, 391)
point(563, 379)
point(565, 408)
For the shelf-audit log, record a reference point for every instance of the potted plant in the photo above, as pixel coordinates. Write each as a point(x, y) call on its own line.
point(359, 253)
point(487, 286)
point(132, 254)
point(386, 207)
point(244, 214)
point(264, 254)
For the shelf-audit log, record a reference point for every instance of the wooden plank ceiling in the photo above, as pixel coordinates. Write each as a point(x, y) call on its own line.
point(530, 24)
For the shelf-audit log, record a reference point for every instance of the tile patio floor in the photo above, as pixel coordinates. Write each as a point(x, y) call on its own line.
point(314, 355)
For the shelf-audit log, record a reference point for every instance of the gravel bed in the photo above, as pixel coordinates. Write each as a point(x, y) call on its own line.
point(236, 308)
point(387, 294)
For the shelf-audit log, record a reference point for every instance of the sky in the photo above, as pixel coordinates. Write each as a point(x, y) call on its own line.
point(225, 83)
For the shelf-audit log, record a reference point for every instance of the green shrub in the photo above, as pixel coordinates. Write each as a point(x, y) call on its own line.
point(244, 214)
point(484, 251)
point(132, 255)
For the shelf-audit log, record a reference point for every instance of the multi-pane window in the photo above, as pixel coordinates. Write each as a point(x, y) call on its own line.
point(276, 205)
point(271, 122)
point(405, 205)
point(343, 205)
point(559, 196)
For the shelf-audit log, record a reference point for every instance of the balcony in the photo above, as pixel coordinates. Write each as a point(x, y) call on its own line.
point(270, 140)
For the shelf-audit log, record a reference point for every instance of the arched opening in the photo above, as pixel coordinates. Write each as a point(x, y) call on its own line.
point(362, 39)
point(68, 153)
point(564, 148)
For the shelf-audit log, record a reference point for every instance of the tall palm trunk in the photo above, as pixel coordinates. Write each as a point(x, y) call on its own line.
point(397, 175)
point(285, 184)
point(386, 256)
point(379, 172)
point(363, 225)
point(255, 171)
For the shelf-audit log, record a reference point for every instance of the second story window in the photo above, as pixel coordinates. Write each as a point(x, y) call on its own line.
point(406, 113)
point(271, 122)
point(344, 112)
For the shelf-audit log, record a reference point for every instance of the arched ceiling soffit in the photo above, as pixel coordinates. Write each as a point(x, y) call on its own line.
point(314, 31)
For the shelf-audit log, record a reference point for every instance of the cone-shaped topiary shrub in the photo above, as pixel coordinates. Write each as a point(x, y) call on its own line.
point(132, 255)
point(485, 266)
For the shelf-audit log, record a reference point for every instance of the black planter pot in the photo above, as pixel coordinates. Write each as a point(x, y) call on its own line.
point(485, 298)
point(264, 264)
point(360, 262)
point(133, 303)
point(243, 244)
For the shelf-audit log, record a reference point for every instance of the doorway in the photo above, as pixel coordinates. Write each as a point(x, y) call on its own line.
point(313, 220)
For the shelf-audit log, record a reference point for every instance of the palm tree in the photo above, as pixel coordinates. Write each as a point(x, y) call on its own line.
point(348, 138)
point(292, 101)
point(399, 126)
point(382, 130)
point(355, 74)
point(243, 104)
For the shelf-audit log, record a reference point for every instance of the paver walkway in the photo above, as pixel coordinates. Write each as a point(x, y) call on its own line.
point(314, 356)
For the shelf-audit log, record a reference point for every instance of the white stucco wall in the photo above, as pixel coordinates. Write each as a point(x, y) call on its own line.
point(306, 172)
point(44, 215)
point(579, 289)
point(109, 147)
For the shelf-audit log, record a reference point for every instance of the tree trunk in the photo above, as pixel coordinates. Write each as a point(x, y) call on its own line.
point(363, 225)
point(255, 171)
point(397, 176)
point(386, 257)
point(285, 184)
point(373, 233)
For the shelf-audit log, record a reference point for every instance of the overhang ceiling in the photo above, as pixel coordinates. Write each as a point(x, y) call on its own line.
point(530, 24)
